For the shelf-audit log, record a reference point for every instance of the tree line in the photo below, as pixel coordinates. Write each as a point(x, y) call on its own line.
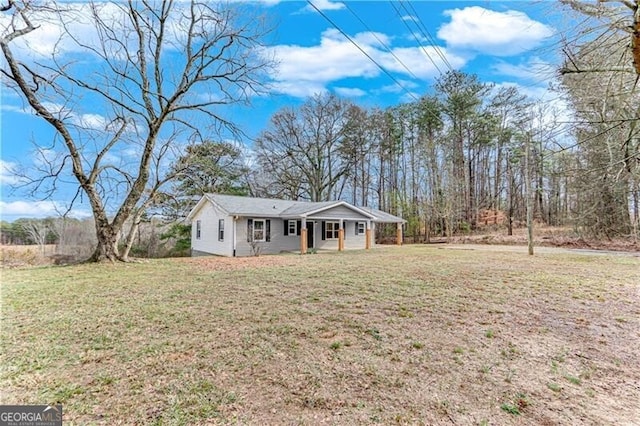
point(448, 162)
point(462, 154)
point(74, 239)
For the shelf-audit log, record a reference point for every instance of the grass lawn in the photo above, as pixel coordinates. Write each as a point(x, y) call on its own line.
point(410, 335)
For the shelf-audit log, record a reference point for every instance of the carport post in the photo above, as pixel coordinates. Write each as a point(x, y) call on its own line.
point(399, 234)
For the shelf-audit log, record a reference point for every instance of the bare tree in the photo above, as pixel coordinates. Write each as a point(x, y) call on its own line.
point(38, 230)
point(306, 149)
point(614, 16)
point(601, 75)
point(158, 71)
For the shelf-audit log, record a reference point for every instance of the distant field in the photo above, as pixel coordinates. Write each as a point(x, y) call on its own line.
point(16, 255)
point(398, 335)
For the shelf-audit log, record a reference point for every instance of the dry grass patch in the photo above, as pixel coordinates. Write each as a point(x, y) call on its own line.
point(411, 335)
point(25, 255)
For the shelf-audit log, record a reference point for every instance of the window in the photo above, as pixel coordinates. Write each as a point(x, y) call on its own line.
point(361, 228)
point(258, 230)
point(293, 228)
point(331, 230)
point(221, 230)
point(198, 229)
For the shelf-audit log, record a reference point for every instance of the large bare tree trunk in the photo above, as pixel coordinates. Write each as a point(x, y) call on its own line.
point(147, 94)
point(107, 248)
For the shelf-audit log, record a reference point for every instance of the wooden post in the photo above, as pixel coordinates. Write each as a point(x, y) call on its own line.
point(341, 239)
point(399, 234)
point(367, 238)
point(303, 240)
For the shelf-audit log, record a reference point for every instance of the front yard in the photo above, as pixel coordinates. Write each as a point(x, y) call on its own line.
point(410, 335)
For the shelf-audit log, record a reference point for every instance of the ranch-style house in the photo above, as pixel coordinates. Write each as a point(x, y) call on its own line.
point(228, 225)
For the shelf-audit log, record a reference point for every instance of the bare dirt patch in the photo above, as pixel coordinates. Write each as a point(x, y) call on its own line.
point(403, 335)
point(218, 263)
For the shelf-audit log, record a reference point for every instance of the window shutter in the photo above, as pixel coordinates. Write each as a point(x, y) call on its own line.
point(344, 230)
point(357, 226)
point(299, 224)
point(324, 230)
point(268, 231)
point(249, 230)
point(286, 227)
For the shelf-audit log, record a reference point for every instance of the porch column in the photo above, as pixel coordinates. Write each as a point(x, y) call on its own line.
point(367, 236)
point(341, 236)
point(399, 234)
point(303, 236)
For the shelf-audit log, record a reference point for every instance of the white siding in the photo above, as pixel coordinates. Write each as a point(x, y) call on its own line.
point(351, 240)
point(208, 216)
point(279, 242)
point(326, 244)
point(339, 212)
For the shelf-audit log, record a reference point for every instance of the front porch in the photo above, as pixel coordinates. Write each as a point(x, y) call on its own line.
point(339, 234)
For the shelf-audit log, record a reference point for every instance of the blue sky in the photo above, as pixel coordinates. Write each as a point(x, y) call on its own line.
point(506, 43)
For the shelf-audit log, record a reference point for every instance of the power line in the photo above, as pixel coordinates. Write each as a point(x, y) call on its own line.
point(416, 37)
point(427, 34)
point(381, 42)
point(363, 51)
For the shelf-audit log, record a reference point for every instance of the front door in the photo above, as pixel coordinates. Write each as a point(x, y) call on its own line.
point(310, 234)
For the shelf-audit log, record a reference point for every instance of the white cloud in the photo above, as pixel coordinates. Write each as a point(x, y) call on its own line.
point(49, 35)
point(498, 33)
point(11, 102)
point(409, 97)
point(305, 70)
point(39, 209)
point(58, 110)
point(333, 59)
point(264, 2)
point(45, 157)
point(349, 92)
point(298, 88)
point(87, 121)
point(133, 151)
point(90, 121)
point(8, 174)
point(370, 39)
point(534, 69)
point(73, 26)
point(325, 5)
point(424, 62)
point(398, 88)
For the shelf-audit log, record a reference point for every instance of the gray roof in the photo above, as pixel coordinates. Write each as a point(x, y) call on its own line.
point(243, 206)
point(303, 207)
point(382, 217)
point(271, 207)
